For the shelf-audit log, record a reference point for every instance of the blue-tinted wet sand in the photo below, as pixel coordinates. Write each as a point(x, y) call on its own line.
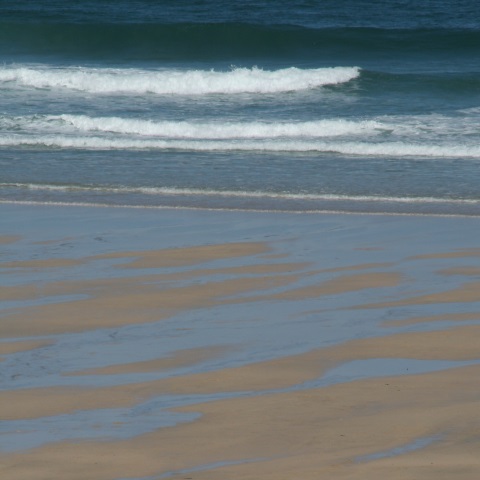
point(252, 329)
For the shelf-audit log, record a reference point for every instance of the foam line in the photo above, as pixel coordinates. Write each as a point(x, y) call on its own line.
point(395, 149)
point(224, 130)
point(170, 191)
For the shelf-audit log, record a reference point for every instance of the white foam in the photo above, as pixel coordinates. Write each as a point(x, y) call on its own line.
point(216, 130)
point(176, 82)
point(434, 129)
point(430, 124)
point(396, 149)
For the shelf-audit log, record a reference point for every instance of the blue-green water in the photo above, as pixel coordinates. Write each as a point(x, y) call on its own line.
point(299, 105)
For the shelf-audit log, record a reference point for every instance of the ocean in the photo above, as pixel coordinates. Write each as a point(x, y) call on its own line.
point(345, 106)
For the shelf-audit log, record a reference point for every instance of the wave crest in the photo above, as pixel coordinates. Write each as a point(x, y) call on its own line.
point(177, 82)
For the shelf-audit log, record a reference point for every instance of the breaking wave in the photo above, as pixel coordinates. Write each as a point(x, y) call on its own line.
point(175, 82)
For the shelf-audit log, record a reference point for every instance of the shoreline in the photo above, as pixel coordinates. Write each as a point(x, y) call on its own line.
point(243, 210)
point(129, 332)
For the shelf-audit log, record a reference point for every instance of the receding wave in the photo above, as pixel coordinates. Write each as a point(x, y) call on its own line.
point(206, 41)
point(168, 191)
point(176, 82)
point(395, 149)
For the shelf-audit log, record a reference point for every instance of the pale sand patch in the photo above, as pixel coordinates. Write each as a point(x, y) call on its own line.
point(6, 239)
point(44, 263)
point(451, 317)
point(69, 287)
point(362, 266)
point(454, 344)
point(6, 348)
point(318, 433)
point(165, 258)
point(248, 269)
point(467, 293)
point(181, 358)
point(343, 284)
point(177, 257)
point(275, 256)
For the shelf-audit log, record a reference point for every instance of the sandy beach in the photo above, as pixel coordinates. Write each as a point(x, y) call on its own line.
point(141, 344)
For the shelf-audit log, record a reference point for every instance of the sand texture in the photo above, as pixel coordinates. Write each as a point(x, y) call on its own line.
point(273, 346)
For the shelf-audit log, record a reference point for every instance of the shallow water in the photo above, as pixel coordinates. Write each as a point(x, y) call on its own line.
point(257, 326)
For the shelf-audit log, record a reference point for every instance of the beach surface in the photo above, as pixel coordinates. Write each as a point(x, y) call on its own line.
point(141, 344)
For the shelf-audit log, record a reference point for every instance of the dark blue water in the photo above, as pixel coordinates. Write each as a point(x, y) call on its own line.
point(303, 105)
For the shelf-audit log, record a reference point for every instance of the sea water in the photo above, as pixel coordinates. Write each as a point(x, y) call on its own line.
point(341, 105)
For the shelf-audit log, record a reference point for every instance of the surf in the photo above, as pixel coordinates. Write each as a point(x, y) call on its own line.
point(216, 130)
point(391, 149)
point(174, 81)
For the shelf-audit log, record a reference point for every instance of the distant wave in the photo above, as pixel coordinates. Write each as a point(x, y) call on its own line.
point(175, 82)
point(137, 81)
point(395, 149)
point(211, 41)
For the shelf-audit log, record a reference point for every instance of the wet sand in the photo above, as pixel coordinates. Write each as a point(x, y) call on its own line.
point(148, 344)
